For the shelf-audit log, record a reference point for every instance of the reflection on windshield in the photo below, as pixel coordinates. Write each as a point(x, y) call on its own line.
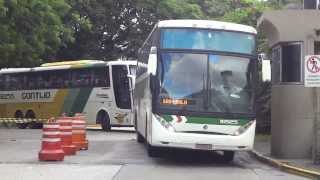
point(201, 82)
point(203, 39)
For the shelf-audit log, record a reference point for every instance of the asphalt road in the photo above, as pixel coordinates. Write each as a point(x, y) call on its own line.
point(117, 155)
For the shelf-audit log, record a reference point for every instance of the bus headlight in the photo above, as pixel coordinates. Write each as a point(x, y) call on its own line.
point(242, 129)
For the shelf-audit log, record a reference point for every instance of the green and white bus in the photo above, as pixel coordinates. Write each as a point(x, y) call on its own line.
point(101, 90)
point(194, 87)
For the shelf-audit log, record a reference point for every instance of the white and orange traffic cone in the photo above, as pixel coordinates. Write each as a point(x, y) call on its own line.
point(51, 149)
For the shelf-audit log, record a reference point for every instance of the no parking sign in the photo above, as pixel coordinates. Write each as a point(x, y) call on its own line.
point(312, 71)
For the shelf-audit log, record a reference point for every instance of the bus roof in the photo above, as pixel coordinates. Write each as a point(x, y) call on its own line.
point(66, 65)
point(80, 62)
point(208, 24)
point(14, 70)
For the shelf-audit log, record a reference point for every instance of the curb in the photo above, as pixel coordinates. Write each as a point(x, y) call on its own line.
point(285, 167)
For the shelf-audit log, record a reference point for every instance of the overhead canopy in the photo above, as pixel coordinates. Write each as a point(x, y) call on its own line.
point(289, 25)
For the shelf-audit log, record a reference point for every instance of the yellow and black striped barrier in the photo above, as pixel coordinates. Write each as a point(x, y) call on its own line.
point(21, 120)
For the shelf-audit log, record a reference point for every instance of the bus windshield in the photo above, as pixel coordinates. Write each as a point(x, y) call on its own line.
point(205, 83)
point(203, 39)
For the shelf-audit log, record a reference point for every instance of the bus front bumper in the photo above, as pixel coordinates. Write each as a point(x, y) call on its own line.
point(162, 137)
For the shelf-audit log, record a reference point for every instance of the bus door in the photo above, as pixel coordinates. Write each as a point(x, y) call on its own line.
point(132, 78)
point(121, 86)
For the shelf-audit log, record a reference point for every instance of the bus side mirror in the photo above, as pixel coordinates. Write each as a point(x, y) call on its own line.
point(132, 79)
point(152, 61)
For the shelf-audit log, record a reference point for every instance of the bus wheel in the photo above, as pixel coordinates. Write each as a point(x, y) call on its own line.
point(105, 121)
point(153, 151)
point(228, 155)
point(33, 125)
point(22, 125)
point(19, 114)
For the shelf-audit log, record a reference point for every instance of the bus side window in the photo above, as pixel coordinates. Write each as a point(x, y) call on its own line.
point(81, 78)
point(66, 78)
point(46, 79)
point(7, 82)
point(40, 80)
point(13, 82)
point(23, 81)
point(20, 78)
point(1, 82)
point(60, 79)
point(31, 80)
point(101, 77)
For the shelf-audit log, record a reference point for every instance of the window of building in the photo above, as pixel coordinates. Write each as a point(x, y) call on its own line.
point(275, 65)
point(317, 47)
point(286, 63)
point(291, 62)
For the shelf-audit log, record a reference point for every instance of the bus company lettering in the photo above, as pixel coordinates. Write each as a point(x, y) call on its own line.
point(229, 121)
point(6, 96)
point(36, 95)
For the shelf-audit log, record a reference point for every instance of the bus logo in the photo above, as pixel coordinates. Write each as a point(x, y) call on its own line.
point(205, 127)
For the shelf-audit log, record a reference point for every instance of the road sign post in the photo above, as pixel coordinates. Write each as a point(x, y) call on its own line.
point(312, 79)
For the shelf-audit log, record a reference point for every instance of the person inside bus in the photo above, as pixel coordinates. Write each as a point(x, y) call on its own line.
point(222, 96)
point(228, 88)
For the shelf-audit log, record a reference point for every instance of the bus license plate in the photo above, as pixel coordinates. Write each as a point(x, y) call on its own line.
point(204, 146)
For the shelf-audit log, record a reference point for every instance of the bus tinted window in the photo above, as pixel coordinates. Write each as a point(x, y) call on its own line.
point(101, 77)
point(81, 77)
point(202, 39)
point(56, 79)
point(1, 83)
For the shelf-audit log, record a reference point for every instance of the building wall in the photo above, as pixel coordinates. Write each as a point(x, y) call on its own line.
point(291, 121)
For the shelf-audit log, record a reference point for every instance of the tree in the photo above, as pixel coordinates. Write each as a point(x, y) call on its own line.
point(120, 27)
point(31, 31)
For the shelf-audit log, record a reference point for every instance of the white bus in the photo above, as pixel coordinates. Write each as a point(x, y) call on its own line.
point(195, 87)
point(100, 90)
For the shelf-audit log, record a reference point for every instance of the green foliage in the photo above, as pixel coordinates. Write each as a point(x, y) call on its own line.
point(35, 31)
point(31, 31)
point(179, 9)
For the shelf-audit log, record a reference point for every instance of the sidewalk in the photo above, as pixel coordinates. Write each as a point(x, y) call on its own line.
point(304, 167)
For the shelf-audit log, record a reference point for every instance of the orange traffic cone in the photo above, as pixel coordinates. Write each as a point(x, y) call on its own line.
point(66, 135)
point(51, 149)
point(79, 132)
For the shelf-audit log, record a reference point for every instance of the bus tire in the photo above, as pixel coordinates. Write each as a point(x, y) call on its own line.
point(153, 151)
point(19, 114)
point(228, 155)
point(105, 121)
point(33, 125)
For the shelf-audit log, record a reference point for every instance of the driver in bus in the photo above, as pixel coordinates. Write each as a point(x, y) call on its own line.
point(227, 88)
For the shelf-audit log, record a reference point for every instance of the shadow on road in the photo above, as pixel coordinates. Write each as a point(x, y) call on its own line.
point(191, 158)
point(121, 130)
